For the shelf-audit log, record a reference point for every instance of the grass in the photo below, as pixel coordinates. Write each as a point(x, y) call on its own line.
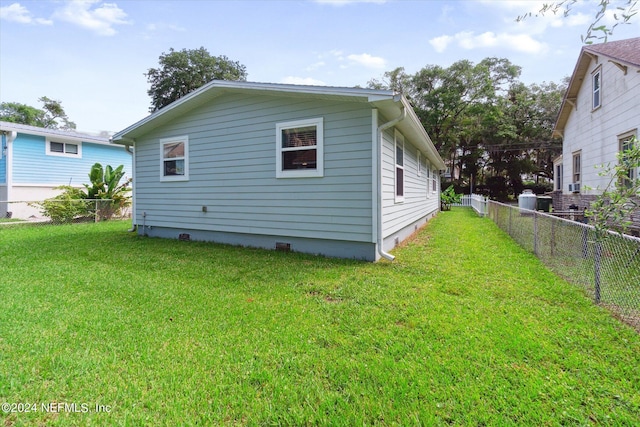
point(464, 328)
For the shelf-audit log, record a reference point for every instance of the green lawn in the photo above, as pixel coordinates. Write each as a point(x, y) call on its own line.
point(464, 328)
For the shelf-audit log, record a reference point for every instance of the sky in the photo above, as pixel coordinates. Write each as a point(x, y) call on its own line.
point(92, 55)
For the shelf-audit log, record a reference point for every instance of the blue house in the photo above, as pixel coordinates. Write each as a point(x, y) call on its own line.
point(343, 172)
point(34, 160)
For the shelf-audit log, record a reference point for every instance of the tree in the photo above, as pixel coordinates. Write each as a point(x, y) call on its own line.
point(104, 197)
point(622, 15)
point(181, 72)
point(483, 121)
point(51, 116)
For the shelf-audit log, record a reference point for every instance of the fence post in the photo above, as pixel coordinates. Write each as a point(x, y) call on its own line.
point(597, 261)
point(535, 233)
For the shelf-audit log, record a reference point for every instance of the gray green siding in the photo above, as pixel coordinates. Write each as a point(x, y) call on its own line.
point(418, 203)
point(232, 154)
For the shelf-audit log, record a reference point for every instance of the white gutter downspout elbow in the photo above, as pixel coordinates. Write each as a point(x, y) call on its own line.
point(128, 148)
point(381, 128)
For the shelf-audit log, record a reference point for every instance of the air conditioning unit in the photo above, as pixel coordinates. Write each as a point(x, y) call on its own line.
point(574, 188)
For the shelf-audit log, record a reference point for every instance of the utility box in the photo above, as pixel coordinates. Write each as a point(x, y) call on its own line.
point(544, 203)
point(527, 200)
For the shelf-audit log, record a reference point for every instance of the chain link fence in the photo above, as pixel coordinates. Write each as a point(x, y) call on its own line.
point(609, 270)
point(64, 211)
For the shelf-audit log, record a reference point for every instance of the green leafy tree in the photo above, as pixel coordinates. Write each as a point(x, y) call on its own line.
point(624, 13)
point(51, 116)
point(105, 197)
point(621, 196)
point(613, 207)
point(181, 72)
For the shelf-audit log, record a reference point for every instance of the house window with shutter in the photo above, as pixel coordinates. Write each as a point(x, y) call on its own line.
point(174, 159)
point(299, 148)
point(399, 177)
point(596, 78)
point(577, 166)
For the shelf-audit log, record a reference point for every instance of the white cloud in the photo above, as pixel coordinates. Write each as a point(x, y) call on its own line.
point(101, 19)
point(367, 60)
point(469, 40)
point(310, 81)
point(15, 12)
point(441, 43)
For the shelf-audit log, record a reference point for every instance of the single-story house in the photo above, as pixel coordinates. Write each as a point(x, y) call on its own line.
point(344, 172)
point(35, 160)
point(599, 116)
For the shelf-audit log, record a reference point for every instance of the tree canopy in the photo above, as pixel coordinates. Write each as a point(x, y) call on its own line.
point(624, 13)
point(181, 72)
point(490, 128)
point(51, 116)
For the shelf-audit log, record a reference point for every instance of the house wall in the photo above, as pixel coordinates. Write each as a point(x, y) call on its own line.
point(400, 219)
point(36, 174)
point(596, 132)
point(32, 166)
point(232, 172)
point(3, 160)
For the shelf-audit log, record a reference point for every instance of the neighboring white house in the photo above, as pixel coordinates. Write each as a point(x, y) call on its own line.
point(343, 172)
point(35, 160)
point(599, 115)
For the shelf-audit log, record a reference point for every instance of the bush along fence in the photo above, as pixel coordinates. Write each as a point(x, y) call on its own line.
point(62, 211)
point(607, 269)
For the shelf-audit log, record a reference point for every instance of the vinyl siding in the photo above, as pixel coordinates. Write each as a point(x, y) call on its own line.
point(596, 132)
point(31, 165)
point(232, 171)
point(417, 202)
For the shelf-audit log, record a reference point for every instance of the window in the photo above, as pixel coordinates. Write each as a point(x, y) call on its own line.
point(559, 177)
point(399, 167)
point(419, 163)
point(174, 159)
point(626, 142)
point(597, 85)
point(64, 149)
point(299, 149)
point(428, 169)
point(577, 166)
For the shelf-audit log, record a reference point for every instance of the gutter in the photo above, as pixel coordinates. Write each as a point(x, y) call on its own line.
point(379, 142)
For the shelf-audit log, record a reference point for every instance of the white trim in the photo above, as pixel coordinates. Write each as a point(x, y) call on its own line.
point(376, 205)
point(596, 73)
point(64, 152)
point(318, 172)
point(398, 137)
point(176, 139)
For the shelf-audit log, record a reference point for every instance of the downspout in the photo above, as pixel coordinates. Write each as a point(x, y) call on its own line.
point(128, 144)
point(134, 226)
point(381, 129)
point(9, 162)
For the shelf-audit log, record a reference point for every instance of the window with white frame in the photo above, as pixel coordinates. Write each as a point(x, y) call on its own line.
point(596, 79)
point(64, 149)
point(626, 142)
point(419, 163)
point(428, 173)
point(559, 177)
point(299, 149)
point(577, 166)
point(399, 160)
point(174, 159)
